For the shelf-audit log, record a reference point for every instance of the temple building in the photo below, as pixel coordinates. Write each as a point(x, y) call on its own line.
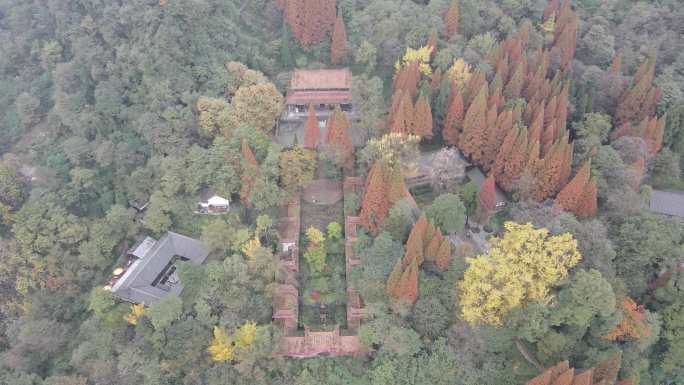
point(150, 273)
point(325, 89)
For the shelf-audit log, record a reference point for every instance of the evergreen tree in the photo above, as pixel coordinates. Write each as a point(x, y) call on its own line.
point(338, 47)
point(312, 132)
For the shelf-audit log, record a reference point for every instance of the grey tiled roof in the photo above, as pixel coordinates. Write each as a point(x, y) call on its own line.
point(136, 283)
point(668, 203)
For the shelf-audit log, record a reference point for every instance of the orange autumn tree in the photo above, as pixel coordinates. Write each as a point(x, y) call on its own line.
point(453, 123)
point(338, 46)
point(639, 100)
point(312, 132)
point(433, 241)
point(309, 20)
point(451, 19)
point(250, 171)
point(633, 324)
point(337, 136)
point(443, 260)
point(615, 66)
point(401, 120)
point(580, 194)
point(404, 286)
point(474, 124)
point(422, 119)
point(415, 245)
point(486, 200)
point(384, 187)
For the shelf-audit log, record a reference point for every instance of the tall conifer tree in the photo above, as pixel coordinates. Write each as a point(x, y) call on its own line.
point(451, 19)
point(422, 120)
point(312, 132)
point(338, 47)
point(474, 126)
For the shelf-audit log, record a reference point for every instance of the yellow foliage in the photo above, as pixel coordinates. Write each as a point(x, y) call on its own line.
point(422, 55)
point(393, 149)
point(137, 311)
point(245, 335)
point(250, 247)
point(221, 348)
point(315, 236)
point(460, 71)
point(520, 267)
point(227, 348)
point(549, 25)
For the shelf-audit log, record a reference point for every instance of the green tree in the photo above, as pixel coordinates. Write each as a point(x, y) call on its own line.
point(644, 245)
point(163, 313)
point(448, 213)
point(468, 194)
point(400, 220)
point(157, 216)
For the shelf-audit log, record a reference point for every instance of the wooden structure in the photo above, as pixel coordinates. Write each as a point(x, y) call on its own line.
point(325, 89)
point(286, 296)
point(312, 344)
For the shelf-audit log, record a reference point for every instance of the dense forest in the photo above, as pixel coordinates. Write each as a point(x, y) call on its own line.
point(115, 116)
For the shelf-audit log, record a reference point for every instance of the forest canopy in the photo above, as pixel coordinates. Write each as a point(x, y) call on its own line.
point(548, 129)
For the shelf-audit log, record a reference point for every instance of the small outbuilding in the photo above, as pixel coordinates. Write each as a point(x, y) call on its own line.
point(214, 205)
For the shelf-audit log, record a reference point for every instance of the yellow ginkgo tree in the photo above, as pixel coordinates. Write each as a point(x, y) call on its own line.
point(137, 311)
point(250, 247)
point(225, 348)
point(245, 335)
point(421, 55)
point(221, 348)
point(520, 267)
point(460, 72)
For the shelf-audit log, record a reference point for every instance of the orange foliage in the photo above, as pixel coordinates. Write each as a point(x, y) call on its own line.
point(633, 324)
point(312, 132)
point(338, 47)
